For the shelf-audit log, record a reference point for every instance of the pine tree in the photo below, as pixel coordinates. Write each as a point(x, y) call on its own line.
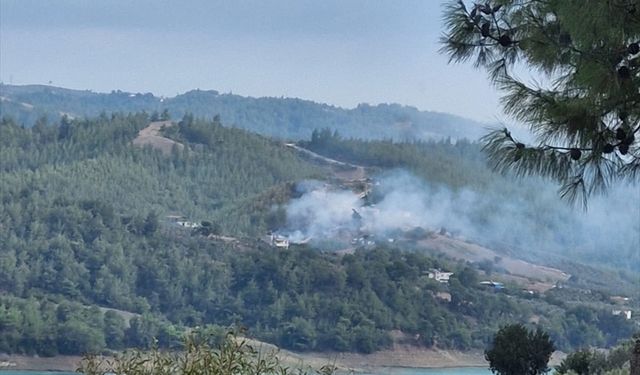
point(584, 112)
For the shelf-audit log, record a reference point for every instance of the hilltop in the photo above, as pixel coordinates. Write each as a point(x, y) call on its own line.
point(285, 118)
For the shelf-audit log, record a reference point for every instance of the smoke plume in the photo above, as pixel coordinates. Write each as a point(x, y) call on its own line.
point(526, 216)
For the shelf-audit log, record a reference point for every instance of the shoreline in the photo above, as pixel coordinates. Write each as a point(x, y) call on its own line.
point(347, 362)
point(400, 357)
point(60, 363)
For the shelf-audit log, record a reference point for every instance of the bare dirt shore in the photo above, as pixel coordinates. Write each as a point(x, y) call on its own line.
point(399, 356)
point(58, 363)
point(405, 356)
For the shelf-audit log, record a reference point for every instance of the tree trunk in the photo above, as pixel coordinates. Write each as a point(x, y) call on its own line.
point(635, 359)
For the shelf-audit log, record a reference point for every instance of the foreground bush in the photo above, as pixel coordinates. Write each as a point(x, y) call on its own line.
point(234, 356)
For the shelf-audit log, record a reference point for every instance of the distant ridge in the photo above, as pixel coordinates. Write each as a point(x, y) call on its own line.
point(285, 118)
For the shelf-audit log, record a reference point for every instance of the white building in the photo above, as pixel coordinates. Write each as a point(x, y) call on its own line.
point(625, 313)
point(188, 224)
point(279, 241)
point(181, 221)
point(439, 276)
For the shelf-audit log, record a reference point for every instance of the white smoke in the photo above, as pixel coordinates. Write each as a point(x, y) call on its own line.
point(533, 218)
point(320, 212)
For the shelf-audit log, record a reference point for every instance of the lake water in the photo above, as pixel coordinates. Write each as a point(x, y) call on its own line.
point(448, 371)
point(388, 371)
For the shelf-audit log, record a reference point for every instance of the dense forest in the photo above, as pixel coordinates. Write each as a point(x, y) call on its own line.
point(89, 159)
point(90, 260)
point(284, 118)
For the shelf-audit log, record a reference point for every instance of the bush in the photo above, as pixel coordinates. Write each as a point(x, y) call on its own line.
point(234, 356)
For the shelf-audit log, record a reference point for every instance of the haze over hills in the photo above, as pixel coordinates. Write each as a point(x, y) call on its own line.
point(94, 213)
point(285, 118)
point(167, 222)
point(320, 178)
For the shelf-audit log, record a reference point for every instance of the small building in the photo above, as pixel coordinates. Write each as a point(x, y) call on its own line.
point(439, 276)
point(188, 224)
point(492, 284)
point(182, 221)
point(279, 241)
point(620, 300)
point(625, 313)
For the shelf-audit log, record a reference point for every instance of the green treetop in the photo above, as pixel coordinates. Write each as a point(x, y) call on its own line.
point(518, 351)
point(584, 112)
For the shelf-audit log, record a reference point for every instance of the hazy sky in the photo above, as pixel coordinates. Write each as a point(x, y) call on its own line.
point(341, 52)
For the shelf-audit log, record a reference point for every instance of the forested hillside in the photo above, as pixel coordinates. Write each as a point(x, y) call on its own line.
point(541, 226)
point(276, 117)
point(94, 159)
point(84, 226)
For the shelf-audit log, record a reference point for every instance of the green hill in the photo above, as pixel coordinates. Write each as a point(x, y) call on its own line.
point(89, 220)
point(283, 118)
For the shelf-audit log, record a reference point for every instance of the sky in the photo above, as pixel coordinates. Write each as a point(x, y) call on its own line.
point(340, 52)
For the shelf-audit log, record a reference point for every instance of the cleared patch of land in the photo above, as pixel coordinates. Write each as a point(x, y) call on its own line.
point(23, 104)
point(151, 136)
point(533, 276)
point(126, 315)
point(341, 170)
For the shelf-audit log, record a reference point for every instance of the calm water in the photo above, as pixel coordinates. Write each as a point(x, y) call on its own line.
point(449, 371)
point(390, 371)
